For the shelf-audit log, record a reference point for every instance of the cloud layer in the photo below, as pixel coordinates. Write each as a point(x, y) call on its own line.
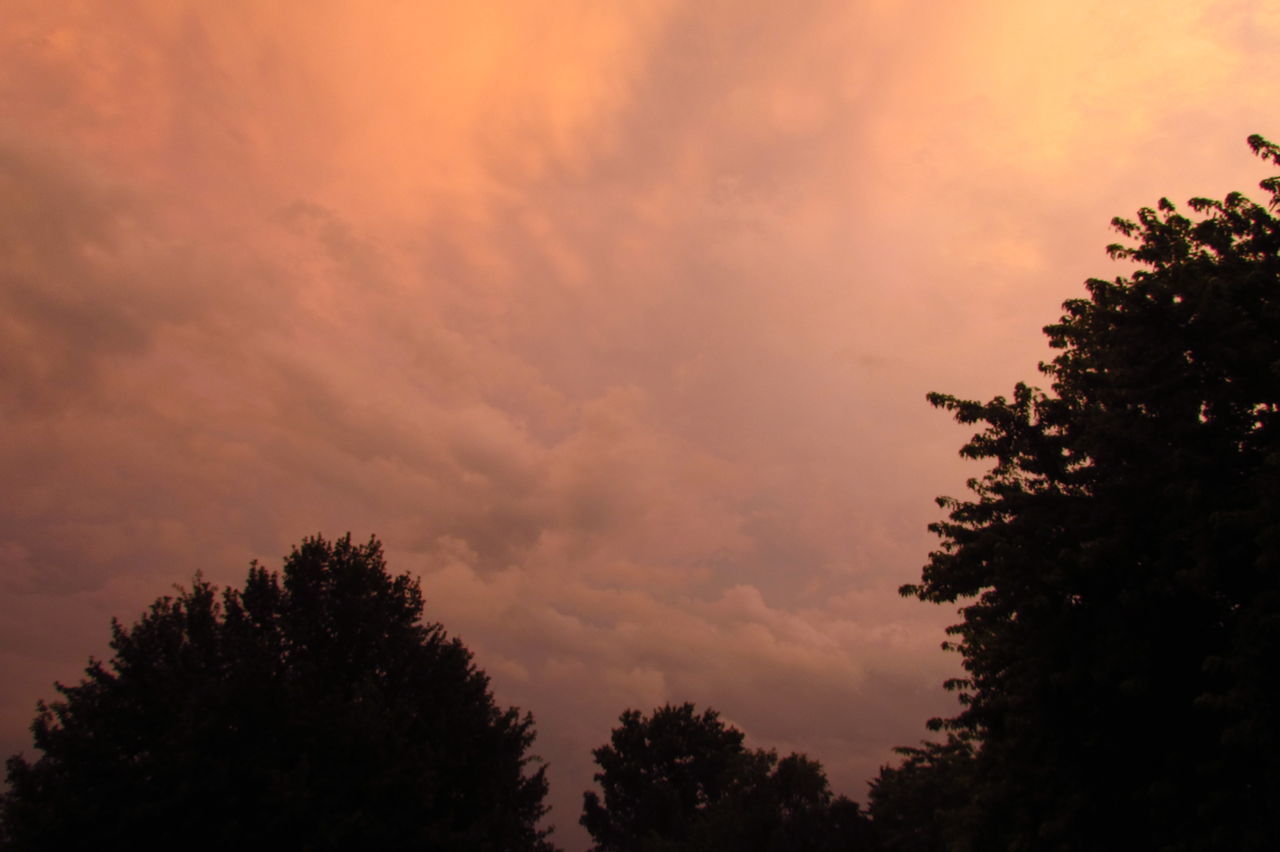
point(614, 322)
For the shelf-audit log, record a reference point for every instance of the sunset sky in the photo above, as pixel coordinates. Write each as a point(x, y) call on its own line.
point(613, 320)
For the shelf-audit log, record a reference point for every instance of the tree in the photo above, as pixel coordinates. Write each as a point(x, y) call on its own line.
point(921, 804)
point(313, 712)
point(1120, 561)
point(678, 781)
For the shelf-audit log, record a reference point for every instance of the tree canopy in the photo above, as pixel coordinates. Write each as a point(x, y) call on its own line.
point(680, 781)
point(314, 711)
point(1119, 563)
point(922, 804)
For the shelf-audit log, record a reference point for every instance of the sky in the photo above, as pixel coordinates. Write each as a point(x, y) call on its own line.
point(613, 321)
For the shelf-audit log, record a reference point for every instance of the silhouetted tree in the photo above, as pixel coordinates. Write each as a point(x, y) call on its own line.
point(922, 805)
point(311, 712)
point(677, 781)
point(1120, 561)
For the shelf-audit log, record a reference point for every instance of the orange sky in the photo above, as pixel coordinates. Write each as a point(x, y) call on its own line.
point(614, 321)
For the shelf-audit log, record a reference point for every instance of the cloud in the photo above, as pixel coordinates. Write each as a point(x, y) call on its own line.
point(60, 239)
point(614, 322)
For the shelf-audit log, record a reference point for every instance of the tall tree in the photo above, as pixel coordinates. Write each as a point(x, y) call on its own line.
point(311, 712)
point(1119, 563)
point(680, 781)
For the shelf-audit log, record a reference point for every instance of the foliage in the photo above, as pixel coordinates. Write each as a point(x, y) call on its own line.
point(921, 805)
point(313, 712)
point(1120, 561)
point(678, 781)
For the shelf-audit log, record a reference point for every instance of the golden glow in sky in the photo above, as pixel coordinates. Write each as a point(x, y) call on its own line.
point(613, 321)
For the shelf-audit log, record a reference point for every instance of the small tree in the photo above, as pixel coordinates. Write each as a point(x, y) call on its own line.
point(677, 781)
point(313, 712)
point(1120, 561)
point(921, 804)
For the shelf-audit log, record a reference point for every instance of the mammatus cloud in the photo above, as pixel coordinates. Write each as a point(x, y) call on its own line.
point(613, 322)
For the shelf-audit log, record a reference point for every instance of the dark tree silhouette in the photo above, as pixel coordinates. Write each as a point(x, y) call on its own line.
point(314, 711)
point(678, 781)
point(922, 804)
point(1119, 563)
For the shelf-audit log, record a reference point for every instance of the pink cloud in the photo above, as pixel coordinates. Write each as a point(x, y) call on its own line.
point(615, 324)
